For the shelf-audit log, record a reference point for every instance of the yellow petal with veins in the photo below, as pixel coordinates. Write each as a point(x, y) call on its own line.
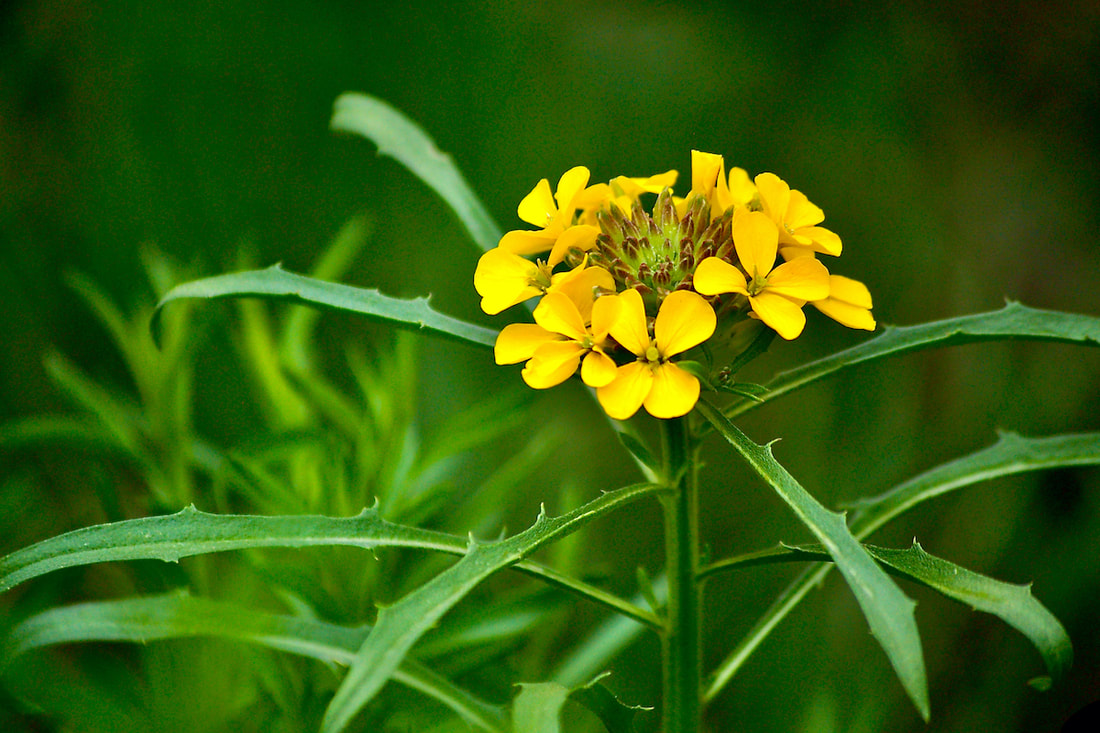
point(756, 239)
point(781, 313)
point(684, 321)
point(804, 278)
point(504, 279)
point(674, 392)
point(775, 195)
point(557, 313)
point(598, 369)
point(538, 206)
point(631, 329)
point(622, 397)
point(714, 276)
point(519, 341)
point(552, 364)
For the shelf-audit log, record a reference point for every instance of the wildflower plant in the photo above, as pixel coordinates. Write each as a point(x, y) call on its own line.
point(652, 293)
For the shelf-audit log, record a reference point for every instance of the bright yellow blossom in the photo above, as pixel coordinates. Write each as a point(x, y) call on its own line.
point(555, 213)
point(776, 295)
point(684, 321)
point(795, 216)
point(555, 344)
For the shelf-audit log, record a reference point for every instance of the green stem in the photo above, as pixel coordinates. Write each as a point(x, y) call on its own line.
point(682, 639)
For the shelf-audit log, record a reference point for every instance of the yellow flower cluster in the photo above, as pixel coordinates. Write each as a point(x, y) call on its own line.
point(623, 290)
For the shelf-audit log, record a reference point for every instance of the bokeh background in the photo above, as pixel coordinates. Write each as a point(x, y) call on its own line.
point(954, 147)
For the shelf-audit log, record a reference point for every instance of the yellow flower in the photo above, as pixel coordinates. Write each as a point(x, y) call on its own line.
point(554, 213)
point(795, 216)
point(559, 339)
point(776, 295)
point(849, 303)
point(684, 321)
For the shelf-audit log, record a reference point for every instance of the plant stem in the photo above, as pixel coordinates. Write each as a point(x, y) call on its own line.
point(682, 640)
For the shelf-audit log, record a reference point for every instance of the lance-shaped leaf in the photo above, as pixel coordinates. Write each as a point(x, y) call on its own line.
point(399, 626)
point(402, 139)
point(179, 615)
point(191, 532)
point(275, 283)
point(1014, 321)
point(1012, 603)
point(1010, 455)
point(888, 611)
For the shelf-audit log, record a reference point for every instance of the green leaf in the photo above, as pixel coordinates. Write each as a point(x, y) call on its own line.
point(179, 615)
point(191, 532)
point(399, 626)
point(1014, 321)
point(1012, 603)
point(400, 138)
point(1010, 455)
point(889, 612)
point(276, 283)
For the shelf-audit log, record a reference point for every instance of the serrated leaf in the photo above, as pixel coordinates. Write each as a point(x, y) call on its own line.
point(191, 532)
point(402, 139)
point(1014, 321)
point(179, 615)
point(275, 283)
point(1012, 603)
point(398, 627)
point(1011, 454)
point(888, 611)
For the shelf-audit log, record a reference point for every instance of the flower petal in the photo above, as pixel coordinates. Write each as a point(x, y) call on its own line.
point(781, 313)
point(581, 284)
point(804, 278)
point(605, 313)
point(538, 206)
point(518, 342)
point(756, 239)
point(821, 239)
point(558, 313)
point(846, 314)
point(685, 320)
point(552, 364)
point(802, 213)
point(522, 242)
point(631, 329)
point(571, 183)
point(622, 397)
point(674, 392)
point(705, 169)
point(849, 291)
point(775, 195)
point(582, 237)
point(504, 279)
point(598, 369)
point(714, 276)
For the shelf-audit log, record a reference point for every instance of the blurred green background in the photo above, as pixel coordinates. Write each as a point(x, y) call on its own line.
point(953, 147)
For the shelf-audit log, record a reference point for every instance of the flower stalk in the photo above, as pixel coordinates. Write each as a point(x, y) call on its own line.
point(682, 640)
